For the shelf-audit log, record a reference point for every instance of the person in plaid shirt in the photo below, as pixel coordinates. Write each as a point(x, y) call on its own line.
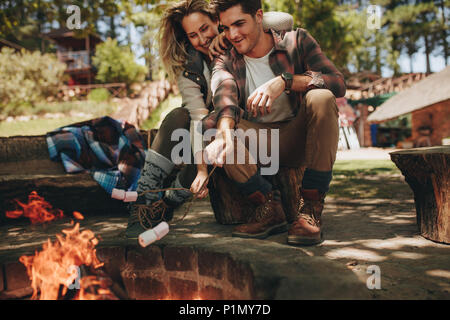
point(275, 80)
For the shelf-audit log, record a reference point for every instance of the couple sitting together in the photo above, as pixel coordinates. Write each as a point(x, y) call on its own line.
point(256, 74)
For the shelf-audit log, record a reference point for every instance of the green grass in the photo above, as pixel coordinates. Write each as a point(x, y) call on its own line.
point(84, 106)
point(35, 127)
point(157, 115)
point(85, 109)
point(371, 167)
point(368, 179)
point(96, 109)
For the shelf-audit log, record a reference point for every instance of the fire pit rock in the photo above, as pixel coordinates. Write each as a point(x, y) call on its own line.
point(198, 259)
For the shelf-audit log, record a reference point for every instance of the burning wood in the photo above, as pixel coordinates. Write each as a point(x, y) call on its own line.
point(78, 215)
point(37, 209)
point(56, 269)
point(67, 268)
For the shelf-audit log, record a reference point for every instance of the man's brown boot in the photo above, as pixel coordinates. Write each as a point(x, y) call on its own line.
point(269, 217)
point(306, 230)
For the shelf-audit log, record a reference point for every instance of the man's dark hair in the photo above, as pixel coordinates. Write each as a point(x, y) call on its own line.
point(248, 6)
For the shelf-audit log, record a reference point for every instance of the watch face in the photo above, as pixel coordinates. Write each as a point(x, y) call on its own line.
point(287, 75)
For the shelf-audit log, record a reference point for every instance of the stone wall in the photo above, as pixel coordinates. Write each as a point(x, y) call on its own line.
point(156, 273)
point(178, 273)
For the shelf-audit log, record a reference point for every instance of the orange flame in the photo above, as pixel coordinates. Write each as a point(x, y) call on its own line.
point(78, 215)
point(100, 288)
point(56, 265)
point(37, 209)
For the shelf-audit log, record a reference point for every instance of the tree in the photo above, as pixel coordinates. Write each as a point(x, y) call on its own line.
point(117, 63)
point(322, 21)
point(370, 48)
point(24, 21)
point(146, 15)
point(28, 77)
point(444, 6)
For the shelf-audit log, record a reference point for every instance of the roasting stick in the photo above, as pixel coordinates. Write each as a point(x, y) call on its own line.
point(142, 209)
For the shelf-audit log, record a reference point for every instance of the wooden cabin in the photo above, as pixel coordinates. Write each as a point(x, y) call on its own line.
point(369, 97)
point(428, 104)
point(76, 53)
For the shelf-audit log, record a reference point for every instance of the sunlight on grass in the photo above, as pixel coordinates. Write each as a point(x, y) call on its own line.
point(34, 127)
point(368, 179)
point(367, 167)
point(69, 112)
point(158, 115)
point(96, 109)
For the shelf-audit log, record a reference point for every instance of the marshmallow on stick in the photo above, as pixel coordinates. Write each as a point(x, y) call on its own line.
point(157, 233)
point(119, 194)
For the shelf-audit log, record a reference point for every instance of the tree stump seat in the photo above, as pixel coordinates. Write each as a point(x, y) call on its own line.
point(231, 207)
point(427, 172)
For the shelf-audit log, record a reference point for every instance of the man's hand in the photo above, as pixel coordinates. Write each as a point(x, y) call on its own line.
point(216, 152)
point(263, 97)
point(217, 46)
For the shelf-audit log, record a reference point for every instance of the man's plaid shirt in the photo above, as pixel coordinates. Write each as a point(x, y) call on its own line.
point(295, 52)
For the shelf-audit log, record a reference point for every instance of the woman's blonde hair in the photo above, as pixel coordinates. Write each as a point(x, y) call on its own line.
point(173, 40)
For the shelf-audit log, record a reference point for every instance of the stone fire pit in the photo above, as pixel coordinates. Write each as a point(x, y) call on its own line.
point(199, 259)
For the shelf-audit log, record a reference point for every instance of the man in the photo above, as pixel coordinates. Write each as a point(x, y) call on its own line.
point(283, 81)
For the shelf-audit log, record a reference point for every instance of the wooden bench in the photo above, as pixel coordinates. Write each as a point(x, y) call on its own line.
point(427, 171)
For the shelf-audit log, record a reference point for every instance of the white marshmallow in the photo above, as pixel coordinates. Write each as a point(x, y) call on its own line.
point(161, 230)
point(130, 196)
point(157, 233)
point(118, 194)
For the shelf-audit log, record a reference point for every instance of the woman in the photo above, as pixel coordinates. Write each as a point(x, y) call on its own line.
point(188, 29)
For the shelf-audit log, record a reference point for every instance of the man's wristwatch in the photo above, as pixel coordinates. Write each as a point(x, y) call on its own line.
point(288, 79)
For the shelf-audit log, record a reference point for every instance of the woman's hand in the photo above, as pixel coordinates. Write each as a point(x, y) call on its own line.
point(200, 179)
point(263, 97)
point(217, 46)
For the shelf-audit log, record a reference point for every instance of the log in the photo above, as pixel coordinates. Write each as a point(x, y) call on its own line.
point(231, 207)
point(289, 181)
point(427, 172)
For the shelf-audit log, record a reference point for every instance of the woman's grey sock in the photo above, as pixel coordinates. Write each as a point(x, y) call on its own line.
point(177, 197)
point(156, 169)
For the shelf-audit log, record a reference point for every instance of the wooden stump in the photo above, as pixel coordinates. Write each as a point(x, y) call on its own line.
point(289, 181)
point(427, 171)
point(231, 207)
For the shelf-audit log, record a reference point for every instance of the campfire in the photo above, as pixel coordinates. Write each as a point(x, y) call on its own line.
point(56, 271)
point(37, 209)
point(67, 268)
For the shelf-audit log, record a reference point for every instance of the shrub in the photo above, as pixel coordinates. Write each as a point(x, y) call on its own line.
point(99, 95)
point(117, 64)
point(27, 77)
